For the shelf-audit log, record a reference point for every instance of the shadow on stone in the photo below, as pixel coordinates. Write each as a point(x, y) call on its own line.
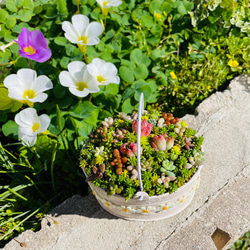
point(84, 206)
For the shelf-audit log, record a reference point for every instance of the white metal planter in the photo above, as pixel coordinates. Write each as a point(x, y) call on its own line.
point(142, 207)
point(150, 208)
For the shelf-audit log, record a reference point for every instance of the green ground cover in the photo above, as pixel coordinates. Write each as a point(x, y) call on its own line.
point(175, 52)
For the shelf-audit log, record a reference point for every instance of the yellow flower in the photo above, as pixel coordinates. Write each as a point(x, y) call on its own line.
point(144, 141)
point(233, 63)
point(176, 150)
point(99, 159)
point(154, 178)
point(125, 173)
point(158, 16)
point(144, 117)
point(173, 75)
point(183, 123)
point(137, 183)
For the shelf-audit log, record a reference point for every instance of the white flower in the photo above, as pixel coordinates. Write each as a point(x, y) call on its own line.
point(30, 125)
point(109, 3)
point(81, 31)
point(103, 72)
point(78, 79)
point(25, 86)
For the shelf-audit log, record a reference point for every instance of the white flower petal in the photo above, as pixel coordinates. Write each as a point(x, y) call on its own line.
point(16, 93)
point(44, 123)
point(28, 77)
point(11, 81)
point(70, 32)
point(26, 117)
point(38, 98)
point(76, 70)
point(94, 29)
point(27, 139)
point(79, 93)
point(66, 79)
point(80, 22)
point(25, 84)
point(43, 83)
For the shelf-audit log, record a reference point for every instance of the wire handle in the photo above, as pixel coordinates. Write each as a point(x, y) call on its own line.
point(140, 112)
point(141, 195)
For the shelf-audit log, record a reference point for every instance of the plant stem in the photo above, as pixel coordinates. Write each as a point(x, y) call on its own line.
point(30, 63)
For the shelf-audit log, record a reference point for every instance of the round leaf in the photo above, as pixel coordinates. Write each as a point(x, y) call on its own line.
point(6, 102)
point(141, 72)
point(126, 74)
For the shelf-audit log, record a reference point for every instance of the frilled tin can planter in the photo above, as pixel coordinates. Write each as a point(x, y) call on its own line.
point(143, 170)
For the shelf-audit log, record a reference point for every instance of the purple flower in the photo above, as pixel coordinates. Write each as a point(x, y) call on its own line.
point(33, 45)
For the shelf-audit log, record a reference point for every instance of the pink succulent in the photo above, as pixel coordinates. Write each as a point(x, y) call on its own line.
point(146, 127)
point(129, 153)
point(162, 142)
point(130, 150)
point(123, 148)
point(170, 143)
point(159, 143)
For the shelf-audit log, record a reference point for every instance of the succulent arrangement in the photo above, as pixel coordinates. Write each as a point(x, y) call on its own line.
point(170, 154)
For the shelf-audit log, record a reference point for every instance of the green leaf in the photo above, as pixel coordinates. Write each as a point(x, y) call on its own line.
point(157, 53)
point(141, 72)
point(64, 62)
point(10, 128)
point(19, 3)
point(155, 6)
point(10, 5)
point(128, 93)
point(83, 110)
point(61, 41)
point(28, 4)
point(136, 56)
point(167, 6)
point(4, 57)
point(16, 106)
point(146, 90)
point(61, 6)
point(3, 15)
point(6, 102)
point(147, 21)
point(127, 107)
point(25, 15)
point(126, 74)
point(11, 21)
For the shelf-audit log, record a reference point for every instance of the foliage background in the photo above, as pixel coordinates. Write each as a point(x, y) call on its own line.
point(148, 41)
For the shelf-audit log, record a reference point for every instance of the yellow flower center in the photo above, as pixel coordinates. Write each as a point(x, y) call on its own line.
point(35, 127)
point(84, 39)
point(29, 94)
point(29, 50)
point(81, 86)
point(105, 3)
point(100, 79)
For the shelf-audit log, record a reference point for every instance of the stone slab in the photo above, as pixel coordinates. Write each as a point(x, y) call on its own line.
point(221, 203)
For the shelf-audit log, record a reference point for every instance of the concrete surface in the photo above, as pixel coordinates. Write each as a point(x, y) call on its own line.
point(217, 217)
